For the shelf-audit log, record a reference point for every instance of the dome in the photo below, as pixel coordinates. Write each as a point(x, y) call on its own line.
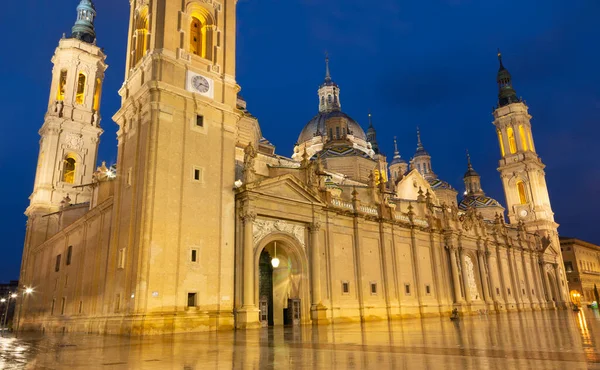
point(317, 124)
point(437, 184)
point(477, 201)
point(397, 160)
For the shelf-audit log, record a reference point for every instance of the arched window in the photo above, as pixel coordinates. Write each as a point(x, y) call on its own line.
point(197, 32)
point(69, 167)
point(523, 137)
point(530, 141)
point(62, 81)
point(329, 99)
point(512, 143)
point(141, 35)
point(521, 190)
point(97, 94)
point(80, 96)
point(501, 143)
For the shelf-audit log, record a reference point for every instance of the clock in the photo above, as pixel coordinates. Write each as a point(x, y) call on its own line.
point(200, 84)
point(523, 213)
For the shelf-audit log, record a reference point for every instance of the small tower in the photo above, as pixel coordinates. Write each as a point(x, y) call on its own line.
point(329, 92)
point(474, 196)
point(472, 180)
point(372, 136)
point(422, 160)
point(398, 166)
point(71, 129)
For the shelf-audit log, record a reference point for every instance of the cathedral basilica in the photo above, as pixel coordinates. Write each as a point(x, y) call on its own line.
point(200, 225)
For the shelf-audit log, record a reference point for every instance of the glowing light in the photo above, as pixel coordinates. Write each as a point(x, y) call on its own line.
point(275, 261)
point(3, 300)
point(133, 296)
point(28, 290)
point(14, 295)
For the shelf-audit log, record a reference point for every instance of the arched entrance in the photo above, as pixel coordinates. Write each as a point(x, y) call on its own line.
point(282, 289)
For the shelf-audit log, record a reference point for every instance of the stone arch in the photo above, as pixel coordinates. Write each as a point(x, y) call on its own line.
point(198, 15)
point(296, 260)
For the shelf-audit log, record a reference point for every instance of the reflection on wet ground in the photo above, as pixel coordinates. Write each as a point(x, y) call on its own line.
point(532, 340)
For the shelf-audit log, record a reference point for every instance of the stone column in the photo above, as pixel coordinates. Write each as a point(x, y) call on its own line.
point(457, 296)
point(526, 277)
point(548, 292)
point(514, 278)
point(559, 290)
point(318, 311)
point(493, 284)
point(248, 264)
point(503, 282)
point(483, 274)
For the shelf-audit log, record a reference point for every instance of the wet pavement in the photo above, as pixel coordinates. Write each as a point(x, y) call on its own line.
point(532, 340)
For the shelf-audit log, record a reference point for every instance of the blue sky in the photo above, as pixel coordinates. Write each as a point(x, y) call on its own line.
point(430, 64)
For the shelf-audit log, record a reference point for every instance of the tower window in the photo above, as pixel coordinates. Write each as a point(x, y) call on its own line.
point(521, 191)
point(199, 121)
point(201, 35)
point(194, 256)
point(81, 79)
point(329, 99)
point(69, 254)
point(141, 35)
point(69, 167)
point(57, 264)
point(345, 287)
point(97, 93)
point(428, 289)
point(191, 300)
point(62, 81)
point(196, 36)
point(197, 174)
point(501, 143)
point(337, 132)
point(512, 144)
point(373, 288)
point(407, 289)
point(523, 137)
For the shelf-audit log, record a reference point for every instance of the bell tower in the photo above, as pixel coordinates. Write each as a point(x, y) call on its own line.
point(174, 195)
point(71, 128)
point(521, 169)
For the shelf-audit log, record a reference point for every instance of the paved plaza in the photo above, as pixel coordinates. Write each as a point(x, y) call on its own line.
point(531, 340)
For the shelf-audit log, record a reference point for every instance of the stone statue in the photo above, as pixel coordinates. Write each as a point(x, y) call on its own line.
point(249, 173)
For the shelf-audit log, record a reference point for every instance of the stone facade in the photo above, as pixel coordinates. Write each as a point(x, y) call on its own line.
point(582, 266)
point(179, 238)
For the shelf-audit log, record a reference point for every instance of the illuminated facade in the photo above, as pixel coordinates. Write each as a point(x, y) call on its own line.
point(582, 266)
point(204, 227)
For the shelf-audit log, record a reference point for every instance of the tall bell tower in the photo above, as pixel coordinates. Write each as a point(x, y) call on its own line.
point(174, 201)
point(71, 128)
point(521, 169)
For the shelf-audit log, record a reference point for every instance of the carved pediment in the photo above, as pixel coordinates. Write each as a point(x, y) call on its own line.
point(285, 187)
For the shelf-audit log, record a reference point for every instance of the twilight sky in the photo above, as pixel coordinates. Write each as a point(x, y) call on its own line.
point(412, 63)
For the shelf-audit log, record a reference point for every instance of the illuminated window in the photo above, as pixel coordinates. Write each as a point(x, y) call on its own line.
point(197, 37)
point(69, 167)
point(80, 89)
point(521, 190)
point(523, 137)
point(512, 144)
point(141, 35)
point(62, 81)
point(97, 93)
point(530, 141)
point(501, 143)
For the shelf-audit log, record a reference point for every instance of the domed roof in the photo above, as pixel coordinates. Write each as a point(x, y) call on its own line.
point(317, 124)
point(477, 201)
point(437, 184)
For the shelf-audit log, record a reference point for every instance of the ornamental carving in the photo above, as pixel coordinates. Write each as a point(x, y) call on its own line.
point(262, 228)
point(74, 141)
point(471, 282)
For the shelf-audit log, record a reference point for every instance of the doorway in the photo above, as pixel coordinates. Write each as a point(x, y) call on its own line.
point(265, 289)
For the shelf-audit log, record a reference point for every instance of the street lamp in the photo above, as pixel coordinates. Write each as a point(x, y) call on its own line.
point(27, 292)
point(6, 300)
point(275, 260)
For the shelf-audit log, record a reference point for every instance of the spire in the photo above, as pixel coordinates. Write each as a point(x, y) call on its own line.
point(372, 135)
point(506, 94)
point(420, 149)
point(327, 73)
point(84, 26)
point(472, 179)
point(397, 158)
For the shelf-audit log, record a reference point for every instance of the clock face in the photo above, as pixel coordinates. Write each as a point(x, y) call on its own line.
point(523, 213)
point(200, 84)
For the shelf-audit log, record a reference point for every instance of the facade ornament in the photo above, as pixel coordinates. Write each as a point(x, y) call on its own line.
point(315, 226)
point(262, 228)
point(248, 216)
point(74, 141)
point(249, 172)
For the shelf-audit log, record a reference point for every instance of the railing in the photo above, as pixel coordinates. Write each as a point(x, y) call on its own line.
point(341, 204)
point(369, 210)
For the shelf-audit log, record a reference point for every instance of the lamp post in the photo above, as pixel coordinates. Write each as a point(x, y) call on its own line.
point(27, 292)
point(7, 301)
